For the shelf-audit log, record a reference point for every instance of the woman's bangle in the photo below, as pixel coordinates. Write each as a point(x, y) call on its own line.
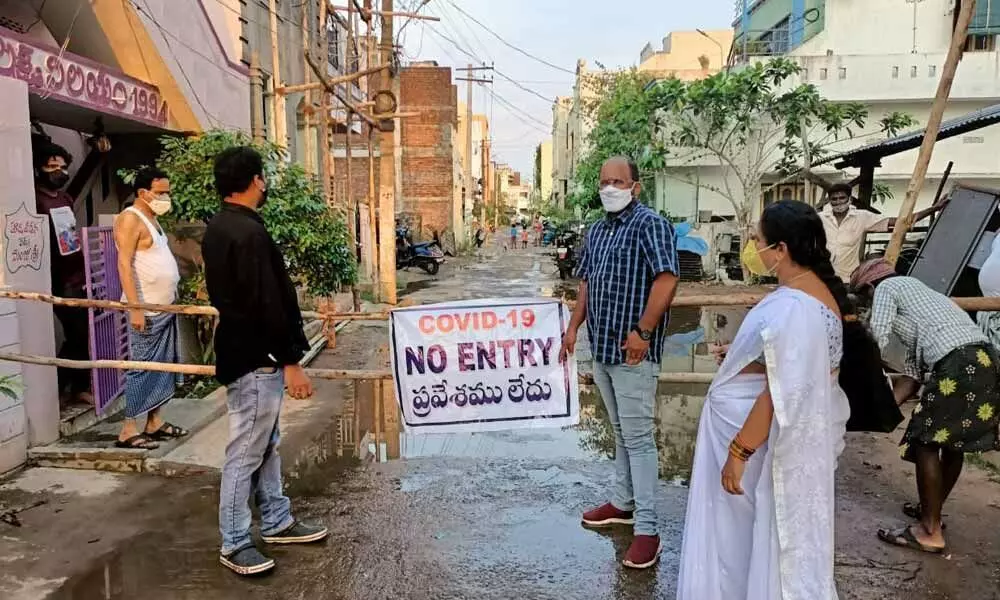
point(737, 454)
point(740, 450)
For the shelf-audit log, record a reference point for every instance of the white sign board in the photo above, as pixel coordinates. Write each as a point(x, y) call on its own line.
point(483, 365)
point(23, 240)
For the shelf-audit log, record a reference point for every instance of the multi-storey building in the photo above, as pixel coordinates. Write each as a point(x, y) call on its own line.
point(887, 55)
point(685, 55)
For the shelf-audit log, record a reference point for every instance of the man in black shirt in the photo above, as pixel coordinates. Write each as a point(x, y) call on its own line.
point(258, 346)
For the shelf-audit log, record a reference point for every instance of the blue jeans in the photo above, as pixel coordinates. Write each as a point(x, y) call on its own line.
point(629, 393)
point(252, 463)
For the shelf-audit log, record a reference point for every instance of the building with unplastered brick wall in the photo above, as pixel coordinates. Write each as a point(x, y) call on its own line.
point(427, 147)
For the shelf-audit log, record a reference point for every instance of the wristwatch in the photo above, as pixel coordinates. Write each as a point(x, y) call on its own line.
point(645, 334)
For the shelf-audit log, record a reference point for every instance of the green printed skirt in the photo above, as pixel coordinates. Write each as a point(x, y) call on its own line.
point(959, 407)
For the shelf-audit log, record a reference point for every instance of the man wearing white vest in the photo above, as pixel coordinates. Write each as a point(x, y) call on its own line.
point(149, 275)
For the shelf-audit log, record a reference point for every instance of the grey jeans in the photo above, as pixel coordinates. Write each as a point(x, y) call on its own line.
point(253, 466)
point(629, 393)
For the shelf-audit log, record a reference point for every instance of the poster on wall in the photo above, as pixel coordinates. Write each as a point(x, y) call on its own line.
point(483, 365)
point(23, 240)
point(64, 225)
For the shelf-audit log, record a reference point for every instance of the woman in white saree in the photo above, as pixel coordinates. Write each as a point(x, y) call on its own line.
point(760, 515)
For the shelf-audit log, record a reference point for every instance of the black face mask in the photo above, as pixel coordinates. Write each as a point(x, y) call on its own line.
point(54, 180)
point(263, 200)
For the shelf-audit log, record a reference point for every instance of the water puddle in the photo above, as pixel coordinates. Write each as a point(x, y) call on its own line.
point(416, 286)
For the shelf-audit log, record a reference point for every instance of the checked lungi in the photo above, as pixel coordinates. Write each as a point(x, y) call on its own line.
point(149, 390)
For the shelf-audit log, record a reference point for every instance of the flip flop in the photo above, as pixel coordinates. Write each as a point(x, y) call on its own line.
point(168, 431)
point(913, 511)
point(138, 442)
point(904, 538)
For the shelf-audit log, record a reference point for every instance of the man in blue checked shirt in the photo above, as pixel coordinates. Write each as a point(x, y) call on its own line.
point(628, 272)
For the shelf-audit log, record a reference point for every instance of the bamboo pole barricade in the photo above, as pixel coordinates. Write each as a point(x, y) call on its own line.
point(693, 300)
point(209, 370)
point(973, 303)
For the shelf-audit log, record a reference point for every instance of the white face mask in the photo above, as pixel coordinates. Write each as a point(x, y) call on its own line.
point(160, 204)
point(615, 200)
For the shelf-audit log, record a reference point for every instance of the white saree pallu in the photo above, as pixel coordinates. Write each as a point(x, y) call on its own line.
point(775, 542)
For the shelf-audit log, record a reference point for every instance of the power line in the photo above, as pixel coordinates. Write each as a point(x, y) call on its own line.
point(527, 89)
point(194, 92)
point(453, 28)
point(135, 36)
point(508, 44)
point(542, 126)
point(545, 127)
point(471, 30)
point(65, 44)
point(495, 70)
point(167, 32)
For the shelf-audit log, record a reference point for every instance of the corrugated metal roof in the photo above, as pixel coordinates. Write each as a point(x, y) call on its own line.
point(872, 153)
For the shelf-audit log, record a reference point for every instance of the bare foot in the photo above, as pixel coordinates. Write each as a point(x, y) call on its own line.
point(85, 398)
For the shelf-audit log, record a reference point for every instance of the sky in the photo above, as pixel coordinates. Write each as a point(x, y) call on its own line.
point(556, 31)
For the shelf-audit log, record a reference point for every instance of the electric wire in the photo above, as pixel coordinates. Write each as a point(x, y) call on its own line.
point(508, 44)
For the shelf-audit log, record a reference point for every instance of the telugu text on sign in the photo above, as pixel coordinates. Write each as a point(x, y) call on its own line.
point(79, 81)
point(23, 240)
point(483, 365)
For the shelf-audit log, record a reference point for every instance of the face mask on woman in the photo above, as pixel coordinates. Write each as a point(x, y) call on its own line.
point(753, 262)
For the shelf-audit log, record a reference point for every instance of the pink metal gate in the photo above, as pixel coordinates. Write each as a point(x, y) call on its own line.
point(108, 328)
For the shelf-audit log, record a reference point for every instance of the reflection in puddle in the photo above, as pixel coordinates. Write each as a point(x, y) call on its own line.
point(676, 415)
point(415, 286)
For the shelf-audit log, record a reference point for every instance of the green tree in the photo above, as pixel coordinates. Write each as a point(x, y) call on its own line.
point(622, 117)
point(748, 122)
point(313, 240)
point(751, 123)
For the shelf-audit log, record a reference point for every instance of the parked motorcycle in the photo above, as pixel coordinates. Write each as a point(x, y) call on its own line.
point(566, 242)
point(549, 234)
point(427, 255)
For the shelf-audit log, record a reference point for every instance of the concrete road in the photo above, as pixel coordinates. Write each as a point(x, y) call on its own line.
point(491, 516)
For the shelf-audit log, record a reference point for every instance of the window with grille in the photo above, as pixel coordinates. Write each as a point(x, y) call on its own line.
point(333, 45)
point(981, 43)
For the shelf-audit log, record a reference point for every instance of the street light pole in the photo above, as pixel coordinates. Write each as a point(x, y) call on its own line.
point(722, 51)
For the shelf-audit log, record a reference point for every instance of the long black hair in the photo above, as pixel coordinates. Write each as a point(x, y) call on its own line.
point(799, 226)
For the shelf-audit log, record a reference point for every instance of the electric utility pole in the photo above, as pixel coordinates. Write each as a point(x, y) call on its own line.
point(387, 170)
point(469, 79)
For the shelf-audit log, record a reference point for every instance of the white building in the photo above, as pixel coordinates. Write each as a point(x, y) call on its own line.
point(887, 55)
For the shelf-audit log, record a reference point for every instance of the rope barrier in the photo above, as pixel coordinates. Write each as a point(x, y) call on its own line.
point(693, 300)
point(975, 303)
point(333, 374)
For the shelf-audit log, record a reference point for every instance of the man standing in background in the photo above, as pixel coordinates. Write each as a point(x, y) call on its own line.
point(258, 346)
point(51, 163)
point(846, 226)
point(149, 275)
point(628, 272)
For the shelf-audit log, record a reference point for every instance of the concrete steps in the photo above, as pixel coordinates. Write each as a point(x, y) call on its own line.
point(88, 442)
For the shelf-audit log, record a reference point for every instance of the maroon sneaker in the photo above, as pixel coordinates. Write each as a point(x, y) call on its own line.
point(644, 552)
point(607, 515)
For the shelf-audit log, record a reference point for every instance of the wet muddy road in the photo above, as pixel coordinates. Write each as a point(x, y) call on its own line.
point(496, 516)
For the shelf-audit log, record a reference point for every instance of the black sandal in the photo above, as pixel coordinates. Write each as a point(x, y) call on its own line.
point(904, 538)
point(142, 441)
point(168, 431)
point(913, 510)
